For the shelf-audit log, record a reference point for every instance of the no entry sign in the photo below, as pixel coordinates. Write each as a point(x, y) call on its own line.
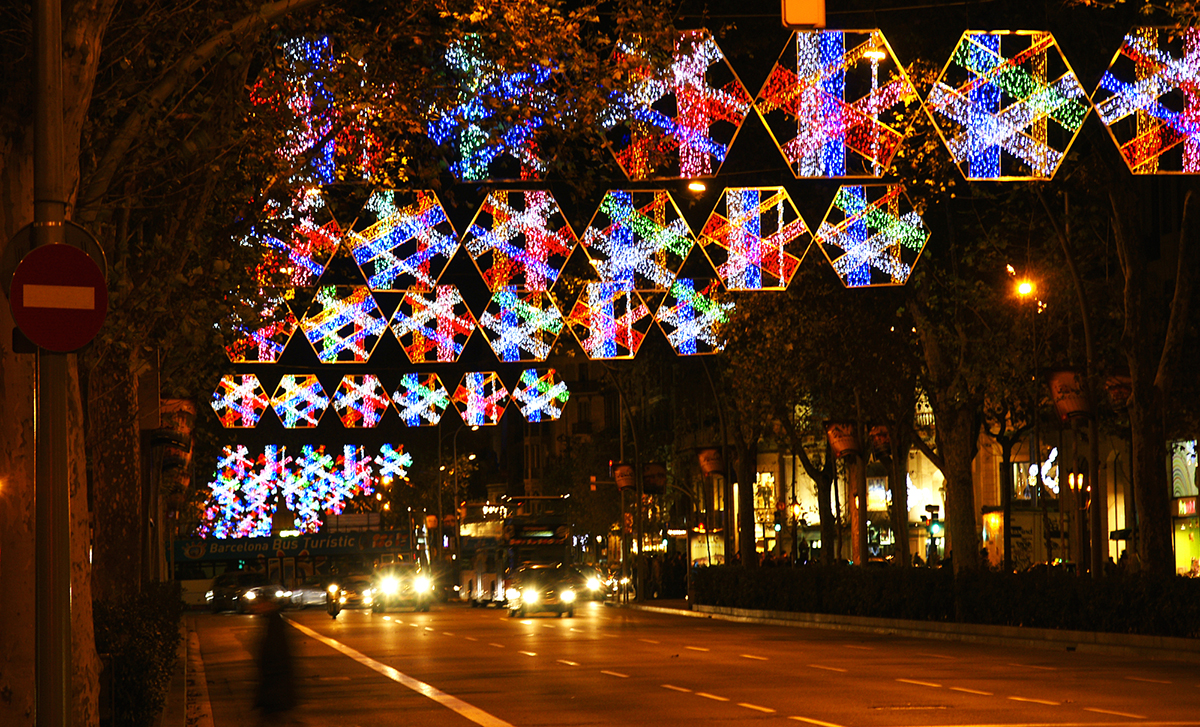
point(58, 297)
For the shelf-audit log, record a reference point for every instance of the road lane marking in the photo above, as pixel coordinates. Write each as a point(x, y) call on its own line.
point(755, 707)
point(817, 722)
point(648, 641)
point(527, 653)
point(674, 688)
point(752, 656)
point(498, 646)
point(415, 625)
point(1035, 701)
point(427, 628)
point(971, 691)
point(568, 663)
point(1148, 681)
point(471, 712)
point(918, 683)
point(576, 630)
point(826, 668)
point(447, 633)
point(1115, 714)
point(706, 695)
point(614, 674)
point(470, 638)
point(936, 656)
point(388, 618)
point(1035, 666)
point(697, 648)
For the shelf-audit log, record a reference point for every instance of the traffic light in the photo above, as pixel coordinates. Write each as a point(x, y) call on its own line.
point(935, 527)
point(778, 520)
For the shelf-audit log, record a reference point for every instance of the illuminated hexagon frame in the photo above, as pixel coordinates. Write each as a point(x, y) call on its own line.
point(360, 401)
point(421, 399)
point(239, 401)
point(299, 240)
point(299, 401)
point(872, 230)
point(691, 313)
point(638, 239)
point(520, 238)
point(436, 321)
point(263, 343)
point(749, 244)
point(540, 396)
point(610, 322)
point(480, 398)
point(521, 325)
point(402, 239)
point(343, 324)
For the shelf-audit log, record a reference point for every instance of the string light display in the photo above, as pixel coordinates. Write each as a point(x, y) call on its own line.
point(692, 314)
point(433, 326)
point(298, 240)
point(872, 236)
point(343, 324)
point(239, 401)
point(299, 401)
point(1149, 99)
point(487, 93)
point(421, 399)
point(263, 339)
point(541, 396)
point(638, 240)
point(405, 239)
point(828, 109)
point(748, 235)
point(1011, 112)
point(520, 239)
point(360, 401)
point(393, 462)
point(480, 398)
point(521, 325)
point(675, 122)
point(609, 322)
point(241, 501)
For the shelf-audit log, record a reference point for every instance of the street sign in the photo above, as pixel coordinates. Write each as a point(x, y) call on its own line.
point(58, 297)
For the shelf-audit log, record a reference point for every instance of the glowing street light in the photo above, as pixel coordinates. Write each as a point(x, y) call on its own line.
point(1026, 288)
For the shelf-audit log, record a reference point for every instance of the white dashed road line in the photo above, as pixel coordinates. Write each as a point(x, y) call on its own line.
point(964, 690)
point(1034, 666)
point(826, 668)
point(527, 653)
point(615, 674)
point(756, 707)
point(706, 695)
point(1147, 681)
point(568, 663)
point(817, 722)
point(674, 688)
point(1115, 714)
point(1035, 701)
point(918, 683)
point(752, 656)
point(650, 641)
point(697, 648)
point(498, 646)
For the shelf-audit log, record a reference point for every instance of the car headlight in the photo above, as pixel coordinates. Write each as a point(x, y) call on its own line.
point(512, 594)
point(208, 596)
point(529, 595)
point(342, 599)
point(249, 595)
point(333, 588)
point(390, 586)
point(593, 584)
point(422, 584)
point(281, 594)
point(367, 592)
point(567, 596)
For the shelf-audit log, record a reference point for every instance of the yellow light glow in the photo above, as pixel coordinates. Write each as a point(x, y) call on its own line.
point(1025, 288)
point(875, 54)
point(697, 186)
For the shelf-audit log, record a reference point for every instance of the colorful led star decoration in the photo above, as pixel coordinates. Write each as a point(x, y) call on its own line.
point(837, 103)
point(675, 122)
point(239, 401)
point(433, 325)
point(609, 322)
point(393, 462)
point(402, 239)
point(262, 339)
point(638, 239)
point(1149, 98)
point(299, 401)
point(298, 240)
point(872, 236)
point(1008, 105)
point(487, 144)
point(343, 324)
point(541, 396)
point(692, 314)
point(240, 502)
point(480, 398)
point(521, 325)
point(421, 399)
point(360, 401)
point(520, 239)
point(748, 237)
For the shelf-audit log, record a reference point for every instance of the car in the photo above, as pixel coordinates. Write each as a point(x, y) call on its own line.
point(354, 590)
point(402, 584)
point(312, 591)
point(590, 582)
point(234, 590)
point(546, 587)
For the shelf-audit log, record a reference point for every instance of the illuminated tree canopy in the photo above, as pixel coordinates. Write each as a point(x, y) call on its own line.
point(263, 339)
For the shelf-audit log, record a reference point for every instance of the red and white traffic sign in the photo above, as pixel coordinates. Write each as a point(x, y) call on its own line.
point(58, 297)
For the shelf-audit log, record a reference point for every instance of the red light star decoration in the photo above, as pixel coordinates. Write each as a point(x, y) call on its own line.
point(748, 235)
point(609, 322)
point(521, 325)
point(263, 339)
point(404, 240)
point(520, 239)
point(433, 326)
point(360, 401)
point(480, 398)
point(421, 399)
point(239, 401)
point(541, 396)
point(638, 239)
point(299, 401)
point(872, 236)
point(829, 110)
point(692, 314)
point(343, 324)
point(299, 240)
point(1149, 100)
point(675, 122)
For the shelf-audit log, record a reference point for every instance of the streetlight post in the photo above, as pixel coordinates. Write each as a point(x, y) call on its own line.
point(1026, 289)
point(457, 525)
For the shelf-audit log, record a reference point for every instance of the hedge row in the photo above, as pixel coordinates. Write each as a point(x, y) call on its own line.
point(1133, 604)
point(141, 633)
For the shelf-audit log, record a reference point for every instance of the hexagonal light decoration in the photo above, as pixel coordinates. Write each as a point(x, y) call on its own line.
point(1147, 99)
point(751, 235)
point(393, 462)
point(299, 401)
point(402, 239)
point(239, 401)
point(421, 399)
point(638, 239)
point(675, 122)
point(609, 322)
point(541, 396)
point(872, 236)
point(480, 398)
point(521, 325)
point(691, 315)
point(298, 240)
point(837, 103)
point(343, 324)
point(262, 339)
point(485, 147)
point(433, 325)
point(1007, 105)
point(360, 401)
point(520, 239)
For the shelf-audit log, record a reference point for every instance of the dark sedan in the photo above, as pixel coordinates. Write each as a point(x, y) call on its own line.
point(536, 588)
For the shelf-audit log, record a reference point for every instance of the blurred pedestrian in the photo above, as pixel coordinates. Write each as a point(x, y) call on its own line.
point(276, 697)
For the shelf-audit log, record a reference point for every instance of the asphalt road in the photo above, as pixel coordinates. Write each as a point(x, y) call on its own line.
point(612, 666)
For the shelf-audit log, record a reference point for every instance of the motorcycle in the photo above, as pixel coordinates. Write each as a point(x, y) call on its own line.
point(333, 602)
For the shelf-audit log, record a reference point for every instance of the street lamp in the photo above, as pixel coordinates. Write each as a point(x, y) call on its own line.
point(454, 471)
point(1026, 289)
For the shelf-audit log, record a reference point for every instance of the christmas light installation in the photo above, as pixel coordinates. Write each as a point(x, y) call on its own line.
point(393, 462)
point(541, 396)
point(638, 240)
point(520, 239)
point(299, 401)
point(749, 235)
point(360, 401)
point(675, 122)
point(421, 399)
point(837, 103)
point(433, 326)
point(402, 239)
point(521, 325)
point(480, 398)
point(239, 401)
point(262, 338)
point(609, 322)
point(692, 314)
point(1007, 105)
point(240, 502)
point(343, 324)
point(872, 236)
point(1149, 99)
point(496, 121)
point(298, 239)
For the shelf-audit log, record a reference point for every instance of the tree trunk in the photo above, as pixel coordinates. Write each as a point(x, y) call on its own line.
point(898, 483)
point(747, 477)
point(1150, 486)
point(956, 434)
